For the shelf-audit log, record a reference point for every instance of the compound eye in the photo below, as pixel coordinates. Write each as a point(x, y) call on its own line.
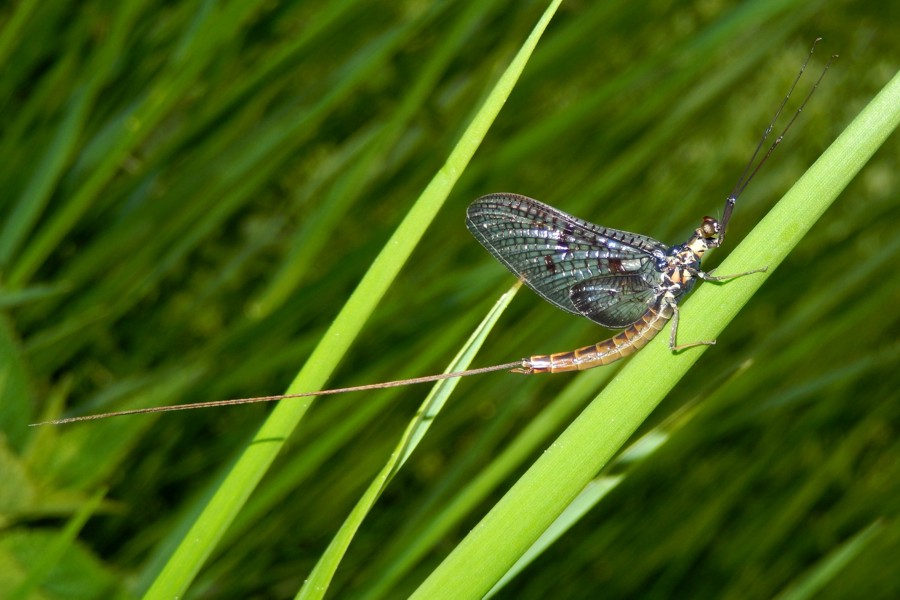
point(710, 227)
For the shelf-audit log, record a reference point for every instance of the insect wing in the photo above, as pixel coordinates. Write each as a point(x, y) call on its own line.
point(614, 301)
point(554, 252)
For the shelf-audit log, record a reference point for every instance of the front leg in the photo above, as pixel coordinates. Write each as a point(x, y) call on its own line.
point(708, 276)
point(705, 276)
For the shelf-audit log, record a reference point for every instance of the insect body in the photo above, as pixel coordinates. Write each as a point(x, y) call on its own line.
point(617, 279)
point(614, 278)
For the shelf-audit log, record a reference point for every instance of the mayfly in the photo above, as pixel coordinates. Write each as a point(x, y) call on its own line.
point(617, 279)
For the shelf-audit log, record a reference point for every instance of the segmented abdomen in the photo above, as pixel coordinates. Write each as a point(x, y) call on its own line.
point(623, 344)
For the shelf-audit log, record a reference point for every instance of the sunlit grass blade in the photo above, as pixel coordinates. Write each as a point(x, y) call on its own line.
point(318, 581)
point(200, 541)
point(593, 493)
point(424, 530)
point(590, 496)
point(560, 474)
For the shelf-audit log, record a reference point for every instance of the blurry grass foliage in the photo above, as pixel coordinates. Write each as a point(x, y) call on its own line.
point(192, 190)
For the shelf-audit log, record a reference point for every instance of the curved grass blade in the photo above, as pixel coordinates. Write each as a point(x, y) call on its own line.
point(560, 474)
point(237, 486)
point(426, 529)
point(595, 491)
point(317, 583)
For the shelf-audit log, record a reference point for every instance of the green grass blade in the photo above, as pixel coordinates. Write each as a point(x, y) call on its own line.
point(560, 474)
point(201, 540)
point(591, 495)
point(15, 391)
point(320, 578)
point(424, 531)
point(811, 584)
point(52, 555)
point(357, 176)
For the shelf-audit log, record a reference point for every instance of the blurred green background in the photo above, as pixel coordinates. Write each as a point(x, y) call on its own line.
point(191, 190)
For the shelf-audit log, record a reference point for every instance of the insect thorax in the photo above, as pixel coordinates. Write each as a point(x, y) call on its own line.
point(682, 264)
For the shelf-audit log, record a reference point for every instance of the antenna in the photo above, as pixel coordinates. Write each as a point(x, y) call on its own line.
point(744, 179)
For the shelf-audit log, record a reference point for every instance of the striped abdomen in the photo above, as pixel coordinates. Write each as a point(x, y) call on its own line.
point(608, 351)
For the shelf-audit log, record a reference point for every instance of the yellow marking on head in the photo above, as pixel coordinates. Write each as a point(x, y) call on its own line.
point(698, 244)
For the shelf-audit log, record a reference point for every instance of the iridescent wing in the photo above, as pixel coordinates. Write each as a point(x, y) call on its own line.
point(606, 275)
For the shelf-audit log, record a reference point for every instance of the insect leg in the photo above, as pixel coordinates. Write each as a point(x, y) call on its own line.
point(708, 276)
point(674, 334)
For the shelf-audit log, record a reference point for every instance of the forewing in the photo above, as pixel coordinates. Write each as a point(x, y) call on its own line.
point(553, 252)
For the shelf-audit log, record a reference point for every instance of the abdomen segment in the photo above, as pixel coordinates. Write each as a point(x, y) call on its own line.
point(623, 344)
